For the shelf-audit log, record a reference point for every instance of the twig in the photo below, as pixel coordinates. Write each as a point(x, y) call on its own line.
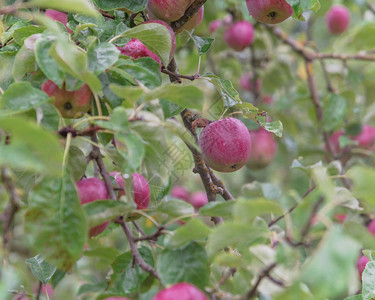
point(263, 275)
point(178, 76)
point(151, 237)
point(107, 15)
point(39, 290)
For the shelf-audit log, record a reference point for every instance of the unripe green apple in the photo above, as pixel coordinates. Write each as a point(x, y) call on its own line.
point(71, 104)
point(225, 145)
point(269, 11)
point(181, 291)
point(92, 189)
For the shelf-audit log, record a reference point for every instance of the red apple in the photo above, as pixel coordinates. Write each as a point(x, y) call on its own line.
point(198, 200)
point(337, 19)
point(263, 149)
point(239, 35)
point(58, 16)
point(135, 49)
point(141, 189)
point(181, 291)
point(246, 82)
point(92, 189)
point(195, 21)
point(71, 104)
point(366, 138)
point(215, 25)
point(371, 227)
point(225, 145)
point(168, 10)
point(269, 11)
point(361, 264)
point(180, 192)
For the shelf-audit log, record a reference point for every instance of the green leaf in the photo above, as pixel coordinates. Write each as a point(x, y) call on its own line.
point(29, 150)
point(170, 109)
point(188, 96)
point(368, 281)
point(134, 146)
point(175, 208)
point(193, 230)
point(23, 33)
point(334, 112)
point(203, 44)
point(300, 6)
point(24, 63)
point(188, 264)
point(107, 254)
point(275, 127)
point(130, 93)
point(132, 5)
point(101, 57)
point(77, 6)
point(41, 269)
point(218, 209)
point(76, 163)
point(56, 221)
point(363, 179)
point(22, 96)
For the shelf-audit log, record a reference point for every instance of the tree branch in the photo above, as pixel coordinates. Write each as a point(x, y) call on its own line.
point(264, 274)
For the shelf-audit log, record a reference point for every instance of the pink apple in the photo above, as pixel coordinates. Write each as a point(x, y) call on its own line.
point(371, 227)
point(215, 25)
point(180, 192)
point(141, 189)
point(225, 145)
point(92, 189)
point(58, 16)
point(263, 150)
point(239, 35)
point(198, 200)
point(366, 138)
point(168, 10)
point(337, 19)
point(181, 291)
point(269, 11)
point(246, 82)
point(71, 104)
point(135, 49)
point(361, 264)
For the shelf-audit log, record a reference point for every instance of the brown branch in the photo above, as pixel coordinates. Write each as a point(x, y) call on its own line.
point(191, 11)
point(264, 274)
point(107, 15)
point(39, 290)
point(151, 237)
point(178, 77)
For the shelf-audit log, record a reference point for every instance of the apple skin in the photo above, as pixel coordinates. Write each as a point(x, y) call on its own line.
point(136, 49)
point(58, 16)
point(337, 19)
point(181, 291)
point(195, 21)
point(247, 84)
point(140, 187)
point(71, 104)
point(361, 264)
point(371, 227)
point(239, 35)
point(92, 189)
point(180, 192)
point(198, 199)
point(215, 25)
point(263, 149)
point(225, 145)
point(269, 11)
point(168, 10)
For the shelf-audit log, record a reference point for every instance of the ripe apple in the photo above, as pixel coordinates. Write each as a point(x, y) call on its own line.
point(269, 11)
point(58, 16)
point(135, 49)
point(337, 19)
point(225, 145)
point(215, 25)
point(198, 200)
point(71, 104)
point(180, 192)
point(239, 35)
point(247, 84)
point(366, 138)
point(141, 189)
point(181, 291)
point(263, 149)
point(92, 189)
point(361, 264)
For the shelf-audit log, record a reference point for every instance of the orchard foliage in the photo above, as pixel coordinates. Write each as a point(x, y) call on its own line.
point(111, 129)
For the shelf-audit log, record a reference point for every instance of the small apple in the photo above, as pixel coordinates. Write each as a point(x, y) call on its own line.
point(361, 264)
point(263, 149)
point(215, 25)
point(269, 11)
point(168, 10)
point(71, 104)
point(246, 82)
point(337, 19)
point(198, 200)
point(141, 189)
point(181, 291)
point(180, 192)
point(239, 35)
point(136, 49)
point(371, 227)
point(366, 138)
point(225, 145)
point(58, 16)
point(92, 189)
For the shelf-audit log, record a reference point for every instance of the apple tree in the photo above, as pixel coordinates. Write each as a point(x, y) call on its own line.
point(187, 149)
